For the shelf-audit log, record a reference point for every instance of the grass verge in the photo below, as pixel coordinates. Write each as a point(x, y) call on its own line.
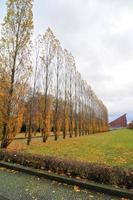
point(113, 148)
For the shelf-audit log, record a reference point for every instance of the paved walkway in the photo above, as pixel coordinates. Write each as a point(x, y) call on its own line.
point(19, 186)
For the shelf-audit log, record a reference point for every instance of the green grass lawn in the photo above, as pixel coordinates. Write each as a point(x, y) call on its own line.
point(113, 148)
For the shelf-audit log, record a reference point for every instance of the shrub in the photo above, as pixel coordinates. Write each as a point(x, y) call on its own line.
point(90, 171)
point(130, 125)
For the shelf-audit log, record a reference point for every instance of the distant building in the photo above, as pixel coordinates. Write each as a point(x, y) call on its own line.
point(119, 122)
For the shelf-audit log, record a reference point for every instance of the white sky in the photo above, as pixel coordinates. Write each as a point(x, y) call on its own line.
point(99, 33)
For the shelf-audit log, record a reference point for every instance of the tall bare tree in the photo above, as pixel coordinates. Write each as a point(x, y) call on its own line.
point(34, 79)
point(66, 89)
point(58, 84)
point(76, 101)
point(16, 33)
point(47, 57)
point(71, 64)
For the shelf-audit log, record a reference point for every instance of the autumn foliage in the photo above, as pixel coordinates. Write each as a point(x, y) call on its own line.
point(130, 125)
point(40, 87)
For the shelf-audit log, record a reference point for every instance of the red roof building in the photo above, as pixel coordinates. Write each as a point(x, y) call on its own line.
point(119, 122)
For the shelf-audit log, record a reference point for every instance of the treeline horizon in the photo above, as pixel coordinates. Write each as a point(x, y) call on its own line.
point(40, 87)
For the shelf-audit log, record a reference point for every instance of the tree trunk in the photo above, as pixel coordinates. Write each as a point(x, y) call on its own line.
point(4, 141)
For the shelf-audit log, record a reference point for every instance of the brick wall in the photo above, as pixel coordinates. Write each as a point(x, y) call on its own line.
point(119, 122)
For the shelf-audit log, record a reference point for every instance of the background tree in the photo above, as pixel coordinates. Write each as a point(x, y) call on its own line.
point(130, 125)
point(58, 83)
point(34, 81)
point(47, 55)
point(71, 64)
point(66, 115)
point(76, 101)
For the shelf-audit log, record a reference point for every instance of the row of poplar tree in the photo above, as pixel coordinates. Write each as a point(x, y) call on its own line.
point(40, 87)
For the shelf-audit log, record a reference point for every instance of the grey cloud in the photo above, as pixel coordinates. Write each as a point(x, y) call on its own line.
point(99, 34)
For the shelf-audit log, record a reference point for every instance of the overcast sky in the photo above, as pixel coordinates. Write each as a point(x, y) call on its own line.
point(99, 33)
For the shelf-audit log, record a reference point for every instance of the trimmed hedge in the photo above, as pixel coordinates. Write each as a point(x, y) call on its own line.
point(91, 171)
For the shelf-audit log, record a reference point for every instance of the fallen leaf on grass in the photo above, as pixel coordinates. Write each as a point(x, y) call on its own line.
point(64, 184)
point(53, 182)
point(2, 168)
point(91, 196)
point(76, 189)
point(77, 177)
point(13, 171)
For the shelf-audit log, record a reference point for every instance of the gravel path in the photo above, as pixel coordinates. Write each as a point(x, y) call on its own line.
point(19, 186)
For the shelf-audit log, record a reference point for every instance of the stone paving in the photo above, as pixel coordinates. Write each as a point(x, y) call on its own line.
point(19, 186)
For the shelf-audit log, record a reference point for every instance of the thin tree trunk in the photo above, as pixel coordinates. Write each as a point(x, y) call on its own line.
point(5, 134)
